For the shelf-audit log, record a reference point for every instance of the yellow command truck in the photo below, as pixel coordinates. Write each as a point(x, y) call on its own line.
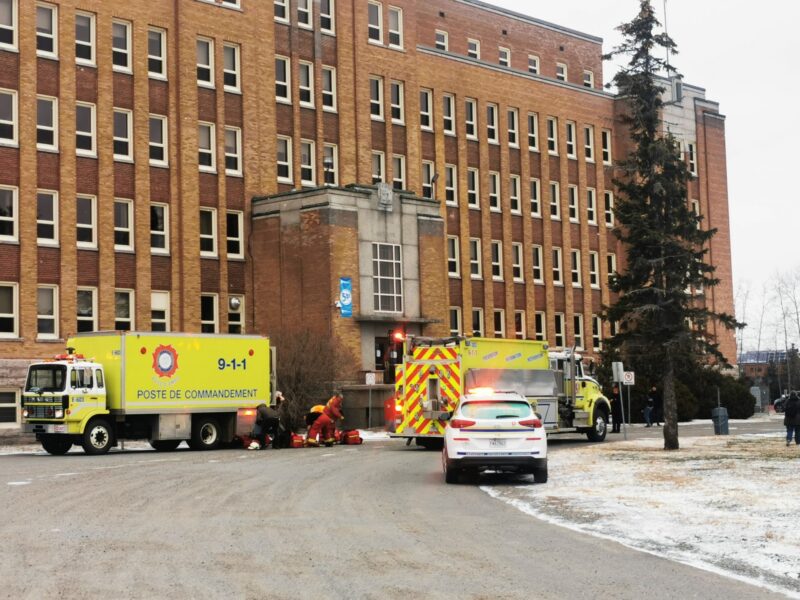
point(436, 372)
point(162, 387)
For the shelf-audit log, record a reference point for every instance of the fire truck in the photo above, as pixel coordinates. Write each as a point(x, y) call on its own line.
point(435, 373)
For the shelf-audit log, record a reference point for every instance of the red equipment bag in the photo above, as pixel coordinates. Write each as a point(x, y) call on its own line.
point(351, 438)
point(298, 441)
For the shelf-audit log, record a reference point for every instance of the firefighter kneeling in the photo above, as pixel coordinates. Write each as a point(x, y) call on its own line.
point(324, 426)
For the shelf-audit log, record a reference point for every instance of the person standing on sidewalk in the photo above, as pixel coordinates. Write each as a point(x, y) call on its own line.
point(616, 409)
point(658, 406)
point(791, 419)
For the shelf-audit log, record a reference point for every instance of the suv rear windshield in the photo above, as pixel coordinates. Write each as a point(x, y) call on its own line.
point(496, 409)
point(46, 378)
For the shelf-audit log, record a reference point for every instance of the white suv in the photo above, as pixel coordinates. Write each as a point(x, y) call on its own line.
point(497, 431)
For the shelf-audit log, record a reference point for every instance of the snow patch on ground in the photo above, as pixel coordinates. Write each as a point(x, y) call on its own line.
point(725, 504)
point(371, 435)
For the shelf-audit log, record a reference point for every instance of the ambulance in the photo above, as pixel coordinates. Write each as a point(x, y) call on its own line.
point(436, 373)
point(162, 387)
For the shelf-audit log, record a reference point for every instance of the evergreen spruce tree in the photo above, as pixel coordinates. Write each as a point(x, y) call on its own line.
point(659, 321)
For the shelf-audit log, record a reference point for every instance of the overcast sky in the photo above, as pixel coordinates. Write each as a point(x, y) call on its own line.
point(741, 53)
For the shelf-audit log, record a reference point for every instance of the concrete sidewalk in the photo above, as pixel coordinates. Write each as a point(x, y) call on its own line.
point(13, 436)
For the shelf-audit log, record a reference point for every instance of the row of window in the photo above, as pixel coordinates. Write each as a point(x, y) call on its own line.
point(305, 85)
point(304, 14)
point(48, 317)
point(474, 263)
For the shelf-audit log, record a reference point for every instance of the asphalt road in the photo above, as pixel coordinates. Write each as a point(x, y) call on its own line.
point(373, 521)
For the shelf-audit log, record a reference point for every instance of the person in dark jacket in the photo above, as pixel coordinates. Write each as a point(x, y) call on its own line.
point(658, 405)
point(791, 419)
point(616, 410)
point(267, 423)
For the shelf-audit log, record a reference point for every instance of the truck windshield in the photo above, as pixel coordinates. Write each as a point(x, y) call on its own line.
point(46, 378)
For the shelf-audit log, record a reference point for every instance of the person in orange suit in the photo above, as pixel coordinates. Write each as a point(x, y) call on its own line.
point(325, 425)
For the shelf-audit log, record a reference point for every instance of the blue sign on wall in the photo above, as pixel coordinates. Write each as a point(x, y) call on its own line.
point(346, 296)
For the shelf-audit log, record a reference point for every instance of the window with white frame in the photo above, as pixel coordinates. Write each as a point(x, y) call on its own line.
point(558, 275)
point(123, 135)
point(387, 278)
point(205, 62)
point(427, 179)
point(233, 151)
point(513, 127)
point(208, 232)
point(8, 24)
point(283, 80)
point(455, 320)
point(575, 267)
point(159, 228)
point(449, 114)
point(555, 201)
point(496, 248)
point(572, 203)
point(504, 56)
point(570, 139)
point(84, 38)
point(475, 268)
point(378, 167)
point(236, 314)
point(594, 270)
point(442, 41)
point(552, 135)
point(561, 71)
point(9, 214)
point(157, 53)
point(695, 206)
point(231, 3)
point(46, 123)
point(282, 10)
point(209, 314)
point(123, 310)
point(306, 84)
point(494, 192)
point(588, 143)
point(691, 155)
point(158, 140)
point(514, 204)
point(588, 79)
point(234, 234)
point(86, 309)
point(46, 217)
point(46, 28)
point(612, 325)
point(519, 324)
point(471, 118)
point(376, 98)
point(453, 256)
point(84, 129)
point(538, 267)
point(305, 14)
point(330, 163)
point(327, 16)
point(206, 147)
point(47, 312)
point(597, 333)
point(499, 318)
point(477, 322)
point(308, 162)
point(533, 64)
point(605, 141)
point(577, 326)
point(86, 222)
point(399, 172)
point(397, 102)
point(536, 197)
point(329, 103)
point(473, 48)
point(516, 262)
point(284, 159)
point(121, 46)
point(560, 333)
point(395, 27)
point(426, 109)
point(159, 311)
point(451, 185)
point(123, 224)
point(591, 206)
point(608, 208)
point(540, 326)
point(375, 22)
point(231, 67)
point(491, 123)
point(611, 266)
point(473, 188)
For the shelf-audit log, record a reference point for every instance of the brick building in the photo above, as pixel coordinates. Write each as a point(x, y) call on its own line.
point(133, 136)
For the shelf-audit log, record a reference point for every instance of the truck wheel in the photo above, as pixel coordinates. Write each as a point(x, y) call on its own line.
point(98, 437)
point(540, 475)
point(57, 445)
point(599, 427)
point(206, 434)
point(165, 445)
point(430, 443)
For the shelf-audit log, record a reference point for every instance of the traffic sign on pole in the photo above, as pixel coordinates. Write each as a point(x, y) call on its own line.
point(628, 378)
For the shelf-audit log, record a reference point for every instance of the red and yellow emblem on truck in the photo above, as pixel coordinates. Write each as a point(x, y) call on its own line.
point(165, 361)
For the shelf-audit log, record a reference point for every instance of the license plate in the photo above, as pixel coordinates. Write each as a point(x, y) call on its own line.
point(497, 443)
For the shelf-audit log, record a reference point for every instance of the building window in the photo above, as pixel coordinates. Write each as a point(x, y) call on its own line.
point(513, 127)
point(47, 312)
point(233, 151)
point(234, 234)
point(209, 321)
point(330, 163)
point(442, 40)
point(378, 167)
point(451, 185)
point(555, 201)
point(588, 143)
point(477, 322)
point(533, 64)
point(87, 309)
point(475, 258)
point(305, 14)
point(536, 196)
point(327, 16)
point(123, 224)
point(375, 22)
point(208, 232)
point(561, 71)
point(453, 258)
point(494, 192)
point(395, 27)
point(282, 10)
point(159, 229)
point(236, 315)
point(121, 46)
point(538, 271)
point(513, 195)
point(539, 324)
point(552, 135)
point(46, 28)
point(608, 210)
point(46, 217)
point(387, 278)
point(455, 321)
point(594, 270)
point(575, 269)
point(577, 325)
point(157, 53)
point(284, 159)
point(283, 80)
point(519, 324)
point(230, 77)
point(206, 141)
point(427, 179)
point(84, 38)
point(308, 163)
point(558, 277)
point(491, 123)
point(588, 79)
point(471, 118)
point(516, 262)
point(306, 84)
point(474, 49)
point(123, 310)
point(426, 110)
point(205, 62)
point(597, 334)
point(695, 205)
point(473, 188)
point(559, 337)
point(605, 141)
point(504, 56)
point(46, 123)
point(611, 265)
point(499, 318)
point(570, 139)
point(399, 172)
point(376, 98)
point(497, 260)
point(397, 102)
point(691, 153)
point(123, 136)
point(8, 24)
point(9, 213)
point(86, 222)
point(329, 89)
point(591, 206)
point(572, 203)
point(84, 130)
point(158, 141)
point(449, 114)
point(159, 311)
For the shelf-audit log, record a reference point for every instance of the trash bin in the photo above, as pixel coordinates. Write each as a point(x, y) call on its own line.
point(719, 416)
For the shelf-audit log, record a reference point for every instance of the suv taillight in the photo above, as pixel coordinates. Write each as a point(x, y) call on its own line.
point(534, 423)
point(461, 423)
